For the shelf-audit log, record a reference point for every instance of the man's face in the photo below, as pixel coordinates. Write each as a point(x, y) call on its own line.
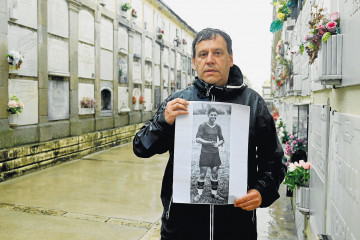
point(212, 117)
point(212, 61)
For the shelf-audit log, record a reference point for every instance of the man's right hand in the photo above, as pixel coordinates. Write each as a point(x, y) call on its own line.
point(175, 108)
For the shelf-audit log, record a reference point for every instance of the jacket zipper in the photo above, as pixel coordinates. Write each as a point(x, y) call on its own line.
point(168, 211)
point(212, 221)
point(208, 90)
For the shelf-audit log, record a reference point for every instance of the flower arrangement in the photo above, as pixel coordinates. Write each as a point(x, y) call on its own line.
point(278, 48)
point(283, 134)
point(321, 29)
point(87, 102)
point(297, 175)
point(282, 12)
point(134, 99)
point(141, 100)
point(125, 7)
point(14, 105)
point(14, 58)
point(133, 13)
point(160, 33)
point(184, 42)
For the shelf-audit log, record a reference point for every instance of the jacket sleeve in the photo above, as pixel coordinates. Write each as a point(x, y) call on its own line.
point(155, 137)
point(271, 170)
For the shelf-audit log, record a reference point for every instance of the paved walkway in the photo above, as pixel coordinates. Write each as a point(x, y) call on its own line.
point(107, 195)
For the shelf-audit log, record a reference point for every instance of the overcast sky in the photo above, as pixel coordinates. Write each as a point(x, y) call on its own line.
point(247, 23)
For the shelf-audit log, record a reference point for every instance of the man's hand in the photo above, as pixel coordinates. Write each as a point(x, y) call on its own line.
point(175, 108)
point(250, 201)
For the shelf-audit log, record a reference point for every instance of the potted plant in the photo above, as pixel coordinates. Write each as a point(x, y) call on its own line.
point(15, 59)
point(298, 177)
point(14, 107)
point(124, 8)
point(87, 105)
point(134, 13)
point(134, 99)
point(141, 100)
point(160, 33)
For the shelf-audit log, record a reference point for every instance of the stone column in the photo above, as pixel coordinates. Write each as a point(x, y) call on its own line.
point(116, 71)
point(6, 133)
point(74, 8)
point(43, 78)
point(97, 45)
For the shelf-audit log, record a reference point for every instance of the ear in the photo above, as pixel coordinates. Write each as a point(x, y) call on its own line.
point(193, 60)
point(231, 60)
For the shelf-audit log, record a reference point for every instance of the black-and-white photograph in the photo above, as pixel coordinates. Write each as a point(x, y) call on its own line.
point(210, 153)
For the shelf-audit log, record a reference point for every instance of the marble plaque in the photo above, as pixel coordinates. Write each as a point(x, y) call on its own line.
point(137, 72)
point(27, 92)
point(25, 12)
point(165, 56)
point(86, 27)
point(148, 102)
point(172, 77)
point(319, 120)
point(86, 90)
point(350, 18)
point(178, 79)
point(183, 64)
point(157, 97)
point(106, 65)
point(148, 72)
point(58, 100)
point(148, 17)
point(148, 49)
point(157, 75)
point(123, 71)
point(165, 94)
point(123, 99)
point(137, 5)
point(183, 81)
point(58, 18)
point(109, 4)
point(172, 59)
point(58, 55)
point(86, 61)
point(137, 95)
point(157, 54)
point(137, 44)
point(106, 34)
point(123, 40)
point(165, 76)
point(178, 61)
point(24, 41)
point(343, 205)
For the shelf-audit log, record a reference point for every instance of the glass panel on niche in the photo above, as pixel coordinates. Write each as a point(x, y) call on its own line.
point(123, 71)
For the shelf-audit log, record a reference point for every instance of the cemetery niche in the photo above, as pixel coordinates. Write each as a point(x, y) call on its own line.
point(106, 105)
point(123, 71)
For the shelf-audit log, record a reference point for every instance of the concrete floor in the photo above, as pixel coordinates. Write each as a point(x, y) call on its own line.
point(106, 195)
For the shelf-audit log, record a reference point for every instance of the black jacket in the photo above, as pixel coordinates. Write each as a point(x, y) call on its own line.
point(265, 168)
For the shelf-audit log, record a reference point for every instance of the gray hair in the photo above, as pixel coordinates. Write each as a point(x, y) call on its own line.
point(210, 34)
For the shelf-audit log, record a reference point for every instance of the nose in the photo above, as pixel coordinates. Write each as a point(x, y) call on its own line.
point(210, 58)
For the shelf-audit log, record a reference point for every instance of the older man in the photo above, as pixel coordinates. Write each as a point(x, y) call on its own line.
point(222, 81)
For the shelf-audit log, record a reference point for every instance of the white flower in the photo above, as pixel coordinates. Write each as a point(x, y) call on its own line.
point(291, 167)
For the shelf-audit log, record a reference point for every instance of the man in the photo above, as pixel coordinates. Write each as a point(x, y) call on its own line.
point(210, 136)
point(218, 80)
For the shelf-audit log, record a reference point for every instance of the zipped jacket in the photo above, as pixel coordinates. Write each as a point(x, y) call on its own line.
point(265, 168)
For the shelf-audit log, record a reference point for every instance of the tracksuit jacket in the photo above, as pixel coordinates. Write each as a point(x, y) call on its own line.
point(265, 168)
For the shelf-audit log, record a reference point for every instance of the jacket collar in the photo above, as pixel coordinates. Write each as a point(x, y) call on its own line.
point(235, 83)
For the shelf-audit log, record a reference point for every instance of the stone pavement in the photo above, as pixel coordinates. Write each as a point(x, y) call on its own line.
point(106, 195)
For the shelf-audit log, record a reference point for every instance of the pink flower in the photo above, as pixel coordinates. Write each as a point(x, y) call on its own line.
point(291, 167)
point(334, 16)
point(302, 163)
point(331, 26)
point(307, 165)
point(12, 104)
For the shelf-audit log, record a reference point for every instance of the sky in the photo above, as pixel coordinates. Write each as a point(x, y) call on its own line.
point(247, 22)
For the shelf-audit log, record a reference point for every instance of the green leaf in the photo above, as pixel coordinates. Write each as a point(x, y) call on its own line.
point(326, 36)
point(302, 49)
point(276, 26)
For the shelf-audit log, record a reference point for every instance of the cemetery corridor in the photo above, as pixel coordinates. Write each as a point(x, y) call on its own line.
point(107, 195)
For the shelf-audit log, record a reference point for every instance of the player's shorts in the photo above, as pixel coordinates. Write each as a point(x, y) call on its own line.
point(209, 160)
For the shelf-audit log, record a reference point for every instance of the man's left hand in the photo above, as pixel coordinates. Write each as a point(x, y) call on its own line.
point(250, 201)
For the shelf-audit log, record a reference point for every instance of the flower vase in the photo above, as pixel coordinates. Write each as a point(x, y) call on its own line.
point(13, 120)
point(13, 70)
point(123, 14)
point(303, 197)
point(84, 111)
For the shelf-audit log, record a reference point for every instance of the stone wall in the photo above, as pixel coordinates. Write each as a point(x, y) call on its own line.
point(28, 158)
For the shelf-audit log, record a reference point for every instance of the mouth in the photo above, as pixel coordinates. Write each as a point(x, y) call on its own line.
point(210, 70)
